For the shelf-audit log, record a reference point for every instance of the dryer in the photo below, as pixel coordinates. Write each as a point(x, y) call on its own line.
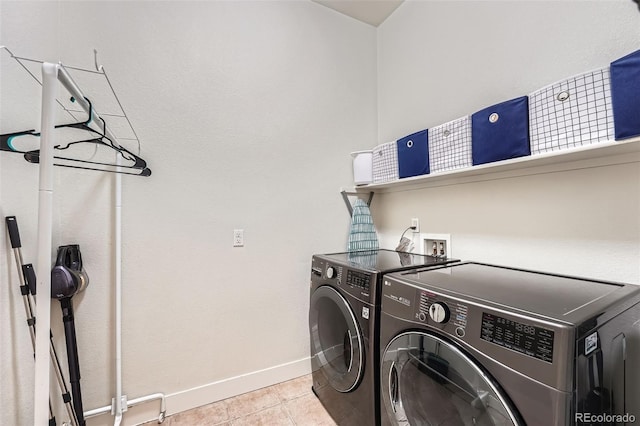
point(477, 344)
point(343, 328)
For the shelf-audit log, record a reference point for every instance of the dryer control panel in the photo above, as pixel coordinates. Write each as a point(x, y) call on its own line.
point(425, 307)
point(536, 342)
point(442, 311)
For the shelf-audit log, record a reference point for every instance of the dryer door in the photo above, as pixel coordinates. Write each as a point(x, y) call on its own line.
point(336, 340)
point(428, 381)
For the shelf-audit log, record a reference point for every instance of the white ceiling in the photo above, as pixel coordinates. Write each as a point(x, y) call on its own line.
point(372, 12)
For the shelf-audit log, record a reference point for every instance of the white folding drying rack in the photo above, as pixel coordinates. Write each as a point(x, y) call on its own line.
point(52, 76)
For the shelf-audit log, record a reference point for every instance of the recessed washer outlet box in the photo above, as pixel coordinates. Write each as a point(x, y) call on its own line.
point(438, 245)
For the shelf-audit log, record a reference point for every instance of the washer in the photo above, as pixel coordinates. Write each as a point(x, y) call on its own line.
point(343, 326)
point(478, 344)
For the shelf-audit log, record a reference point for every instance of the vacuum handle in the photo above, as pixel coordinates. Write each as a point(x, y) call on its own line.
point(66, 305)
point(14, 234)
point(70, 338)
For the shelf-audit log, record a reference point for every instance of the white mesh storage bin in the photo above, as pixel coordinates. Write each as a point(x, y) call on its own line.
point(385, 162)
point(572, 112)
point(450, 145)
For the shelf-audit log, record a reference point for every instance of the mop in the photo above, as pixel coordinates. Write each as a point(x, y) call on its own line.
point(28, 290)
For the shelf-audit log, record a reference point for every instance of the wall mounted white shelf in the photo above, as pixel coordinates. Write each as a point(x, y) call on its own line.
point(594, 155)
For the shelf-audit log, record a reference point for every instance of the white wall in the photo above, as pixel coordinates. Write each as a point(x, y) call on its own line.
point(440, 60)
point(247, 112)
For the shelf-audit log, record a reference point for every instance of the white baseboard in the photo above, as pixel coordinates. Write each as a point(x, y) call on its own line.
point(222, 389)
point(211, 392)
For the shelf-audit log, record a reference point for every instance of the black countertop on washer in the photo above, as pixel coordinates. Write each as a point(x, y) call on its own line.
point(383, 260)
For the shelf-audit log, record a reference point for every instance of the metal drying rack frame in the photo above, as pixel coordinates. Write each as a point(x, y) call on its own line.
point(52, 76)
point(94, 124)
point(345, 197)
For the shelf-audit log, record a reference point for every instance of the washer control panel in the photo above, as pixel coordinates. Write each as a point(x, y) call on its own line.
point(359, 279)
point(357, 282)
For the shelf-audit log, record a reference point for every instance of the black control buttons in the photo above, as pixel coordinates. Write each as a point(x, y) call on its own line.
point(359, 279)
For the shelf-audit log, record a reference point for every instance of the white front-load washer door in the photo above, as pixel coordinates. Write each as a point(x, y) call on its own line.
point(428, 381)
point(336, 339)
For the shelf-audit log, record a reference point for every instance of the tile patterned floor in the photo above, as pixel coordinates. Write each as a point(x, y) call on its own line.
point(290, 403)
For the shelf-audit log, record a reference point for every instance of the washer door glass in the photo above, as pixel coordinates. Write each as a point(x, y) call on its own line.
point(337, 344)
point(428, 381)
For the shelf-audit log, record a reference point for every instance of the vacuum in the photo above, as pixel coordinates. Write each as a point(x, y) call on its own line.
point(69, 278)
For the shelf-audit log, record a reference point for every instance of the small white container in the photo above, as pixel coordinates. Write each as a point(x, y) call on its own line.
point(362, 167)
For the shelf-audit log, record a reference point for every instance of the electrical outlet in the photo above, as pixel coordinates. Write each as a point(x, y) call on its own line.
point(238, 237)
point(415, 223)
point(438, 245)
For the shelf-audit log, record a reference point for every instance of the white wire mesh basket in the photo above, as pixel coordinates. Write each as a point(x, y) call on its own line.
point(572, 112)
point(450, 145)
point(385, 162)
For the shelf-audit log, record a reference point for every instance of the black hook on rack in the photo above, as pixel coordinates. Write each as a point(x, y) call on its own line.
point(345, 197)
point(139, 164)
point(6, 139)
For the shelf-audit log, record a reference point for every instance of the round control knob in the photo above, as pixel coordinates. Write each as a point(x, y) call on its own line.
point(439, 312)
point(331, 272)
point(422, 316)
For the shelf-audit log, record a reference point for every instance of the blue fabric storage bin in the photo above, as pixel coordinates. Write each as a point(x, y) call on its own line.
point(501, 131)
point(413, 154)
point(625, 95)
